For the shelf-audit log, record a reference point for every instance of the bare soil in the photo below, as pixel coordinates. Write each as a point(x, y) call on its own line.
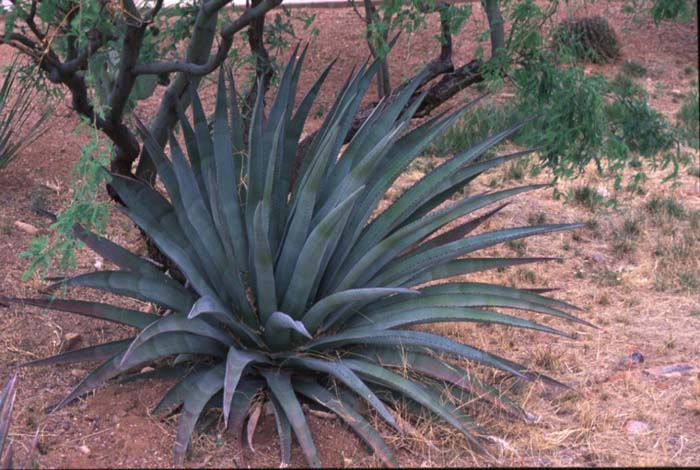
point(642, 291)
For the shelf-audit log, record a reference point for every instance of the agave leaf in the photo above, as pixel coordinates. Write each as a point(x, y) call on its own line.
point(443, 371)
point(344, 374)
point(308, 267)
point(457, 233)
point(280, 386)
point(99, 352)
point(237, 126)
point(419, 316)
point(475, 288)
point(167, 293)
point(190, 139)
point(479, 295)
point(256, 162)
point(460, 267)
point(455, 181)
point(203, 233)
point(418, 339)
point(378, 257)
point(414, 391)
point(177, 323)
point(350, 416)
point(175, 371)
point(207, 385)
point(115, 253)
point(159, 221)
point(278, 331)
point(176, 394)
point(212, 307)
point(157, 347)
point(271, 200)
point(296, 125)
point(318, 312)
point(204, 146)
point(284, 430)
point(374, 131)
point(299, 223)
point(236, 361)
point(264, 270)
point(395, 162)
point(360, 173)
point(424, 190)
point(226, 198)
point(98, 310)
point(7, 401)
point(411, 264)
point(240, 405)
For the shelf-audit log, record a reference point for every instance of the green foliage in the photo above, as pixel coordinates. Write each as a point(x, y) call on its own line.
point(589, 39)
point(474, 127)
point(660, 10)
point(18, 126)
point(85, 209)
point(633, 69)
point(296, 289)
point(688, 119)
point(586, 196)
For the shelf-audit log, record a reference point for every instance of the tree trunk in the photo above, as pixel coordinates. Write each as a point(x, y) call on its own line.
point(496, 25)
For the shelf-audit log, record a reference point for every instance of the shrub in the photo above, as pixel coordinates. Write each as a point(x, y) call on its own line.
point(295, 292)
point(590, 39)
point(633, 69)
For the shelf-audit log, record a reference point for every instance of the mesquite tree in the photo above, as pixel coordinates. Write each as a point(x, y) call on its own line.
point(110, 54)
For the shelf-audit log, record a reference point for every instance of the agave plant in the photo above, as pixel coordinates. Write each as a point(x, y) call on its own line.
point(301, 292)
point(17, 126)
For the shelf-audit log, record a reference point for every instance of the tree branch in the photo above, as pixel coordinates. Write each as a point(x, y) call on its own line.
point(226, 41)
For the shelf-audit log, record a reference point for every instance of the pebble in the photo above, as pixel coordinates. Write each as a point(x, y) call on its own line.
point(78, 373)
point(27, 228)
point(70, 341)
point(84, 449)
point(637, 427)
point(637, 357)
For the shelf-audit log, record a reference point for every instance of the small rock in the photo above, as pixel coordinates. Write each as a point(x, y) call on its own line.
point(70, 341)
point(637, 357)
point(27, 228)
point(98, 263)
point(84, 450)
point(147, 369)
point(77, 373)
point(635, 428)
point(598, 257)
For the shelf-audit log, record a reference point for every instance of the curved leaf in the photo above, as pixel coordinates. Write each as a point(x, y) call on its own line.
point(97, 310)
point(281, 387)
point(144, 287)
point(236, 362)
point(350, 416)
point(315, 316)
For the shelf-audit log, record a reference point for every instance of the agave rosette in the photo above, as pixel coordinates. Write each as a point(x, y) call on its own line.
point(301, 292)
